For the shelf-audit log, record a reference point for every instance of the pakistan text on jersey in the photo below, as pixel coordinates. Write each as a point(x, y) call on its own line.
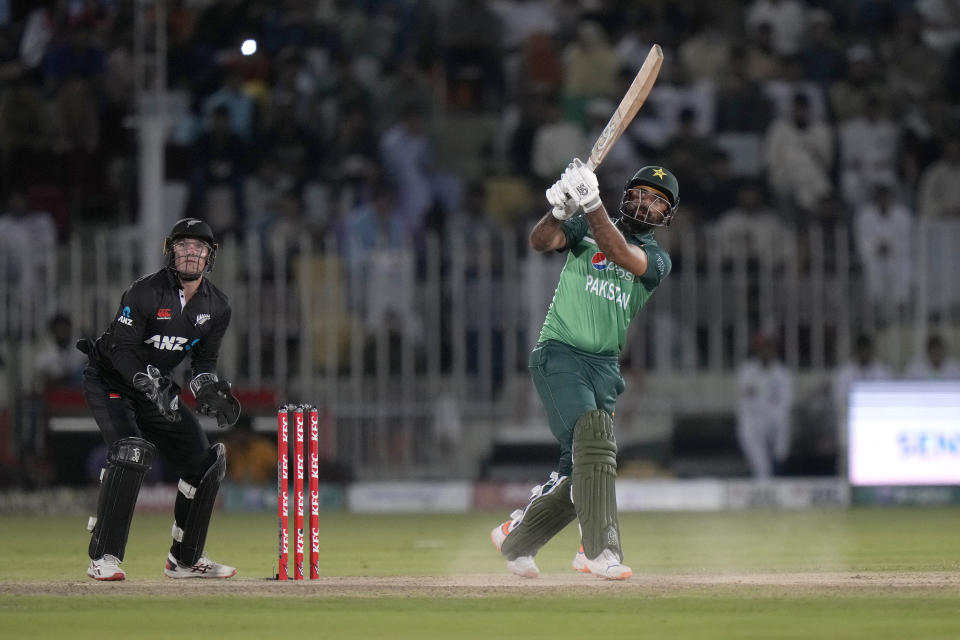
point(607, 289)
point(171, 343)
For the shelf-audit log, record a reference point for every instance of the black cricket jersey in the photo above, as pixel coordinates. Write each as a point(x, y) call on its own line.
point(152, 326)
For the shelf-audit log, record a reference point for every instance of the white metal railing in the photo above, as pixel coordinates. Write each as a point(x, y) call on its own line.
point(383, 342)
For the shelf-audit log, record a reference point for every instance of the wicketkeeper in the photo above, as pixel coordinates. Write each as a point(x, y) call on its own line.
point(162, 318)
point(612, 269)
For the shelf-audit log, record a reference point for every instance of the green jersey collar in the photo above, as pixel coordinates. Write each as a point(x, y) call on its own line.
point(642, 238)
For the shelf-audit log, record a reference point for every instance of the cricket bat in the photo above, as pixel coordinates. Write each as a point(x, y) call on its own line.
point(633, 99)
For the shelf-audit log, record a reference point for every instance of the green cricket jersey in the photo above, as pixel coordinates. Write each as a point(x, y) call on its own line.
point(596, 299)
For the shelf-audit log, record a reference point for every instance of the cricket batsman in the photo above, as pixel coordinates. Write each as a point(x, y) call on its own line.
point(612, 268)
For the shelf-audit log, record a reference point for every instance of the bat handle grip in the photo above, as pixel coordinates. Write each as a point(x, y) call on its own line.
point(590, 164)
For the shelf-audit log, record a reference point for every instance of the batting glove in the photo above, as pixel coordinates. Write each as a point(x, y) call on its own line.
point(564, 207)
point(581, 183)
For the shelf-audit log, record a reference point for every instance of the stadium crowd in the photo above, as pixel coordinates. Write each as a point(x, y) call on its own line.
point(369, 121)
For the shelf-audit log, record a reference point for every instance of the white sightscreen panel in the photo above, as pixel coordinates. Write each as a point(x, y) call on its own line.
point(904, 433)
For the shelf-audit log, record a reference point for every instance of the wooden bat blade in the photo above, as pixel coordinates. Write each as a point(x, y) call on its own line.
point(633, 99)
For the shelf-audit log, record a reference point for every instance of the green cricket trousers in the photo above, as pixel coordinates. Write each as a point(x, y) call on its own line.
point(571, 382)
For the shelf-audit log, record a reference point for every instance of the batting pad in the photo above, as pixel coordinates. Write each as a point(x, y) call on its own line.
point(128, 460)
point(594, 483)
point(197, 503)
point(547, 513)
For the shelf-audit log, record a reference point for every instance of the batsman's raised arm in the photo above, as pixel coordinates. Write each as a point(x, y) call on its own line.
point(581, 183)
point(547, 234)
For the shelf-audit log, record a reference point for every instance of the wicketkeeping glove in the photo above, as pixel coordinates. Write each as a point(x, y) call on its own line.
point(162, 392)
point(215, 399)
point(564, 206)
point(581, 183)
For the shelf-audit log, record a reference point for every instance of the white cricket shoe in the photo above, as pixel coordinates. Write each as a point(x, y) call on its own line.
point(106, 568)
point(606, 565)
point(204, 568)
point(524, 566)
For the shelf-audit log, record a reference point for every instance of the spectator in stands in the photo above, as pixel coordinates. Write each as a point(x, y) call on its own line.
point(219, 159)
point(464, 137)
point(941, 24)
point(705, 55)
point(264, 192)
point(761, 62)
point(783, 88)
point(913, 68)
point(764, 402)
point(689, 152)
point(378, 253)
point(519, 123)
point(939, 190)
point(883, 234)
point(292, 146)
point(236, 104)
point(24, 134)
point(407, 156)
point(935, 363)
point(37, 34)
point(869, 149)
point(470, 36)
point(787, 20)
point(716, 189)
point(28, 240)
point(540, 64)
point(468, 232)
point(849, 94)
point(520, 20)
point(862, 365)
point(58, 364)
point(799, 157)
point(371, 225)
point(591, 69)
point(253, 458)
point(555, 141)
point(74, 54)
point(741, 105)
point(405, 82)
point(821, 56)
point(76, 122)
point(753, 230)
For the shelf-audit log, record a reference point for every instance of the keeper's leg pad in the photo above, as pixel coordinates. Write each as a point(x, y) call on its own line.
point(128, 460)
point(195, 505)
point(547, 513)
point(594, 483)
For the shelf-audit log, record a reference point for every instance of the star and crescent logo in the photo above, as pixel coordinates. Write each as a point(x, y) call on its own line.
point(659, 172)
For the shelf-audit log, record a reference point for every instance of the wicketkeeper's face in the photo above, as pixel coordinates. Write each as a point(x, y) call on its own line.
point(190, 255)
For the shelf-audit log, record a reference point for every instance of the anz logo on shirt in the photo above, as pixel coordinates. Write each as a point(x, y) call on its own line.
point(171, 343)
point(124, 317)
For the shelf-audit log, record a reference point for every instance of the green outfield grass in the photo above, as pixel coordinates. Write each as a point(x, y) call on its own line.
point(886, 573)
